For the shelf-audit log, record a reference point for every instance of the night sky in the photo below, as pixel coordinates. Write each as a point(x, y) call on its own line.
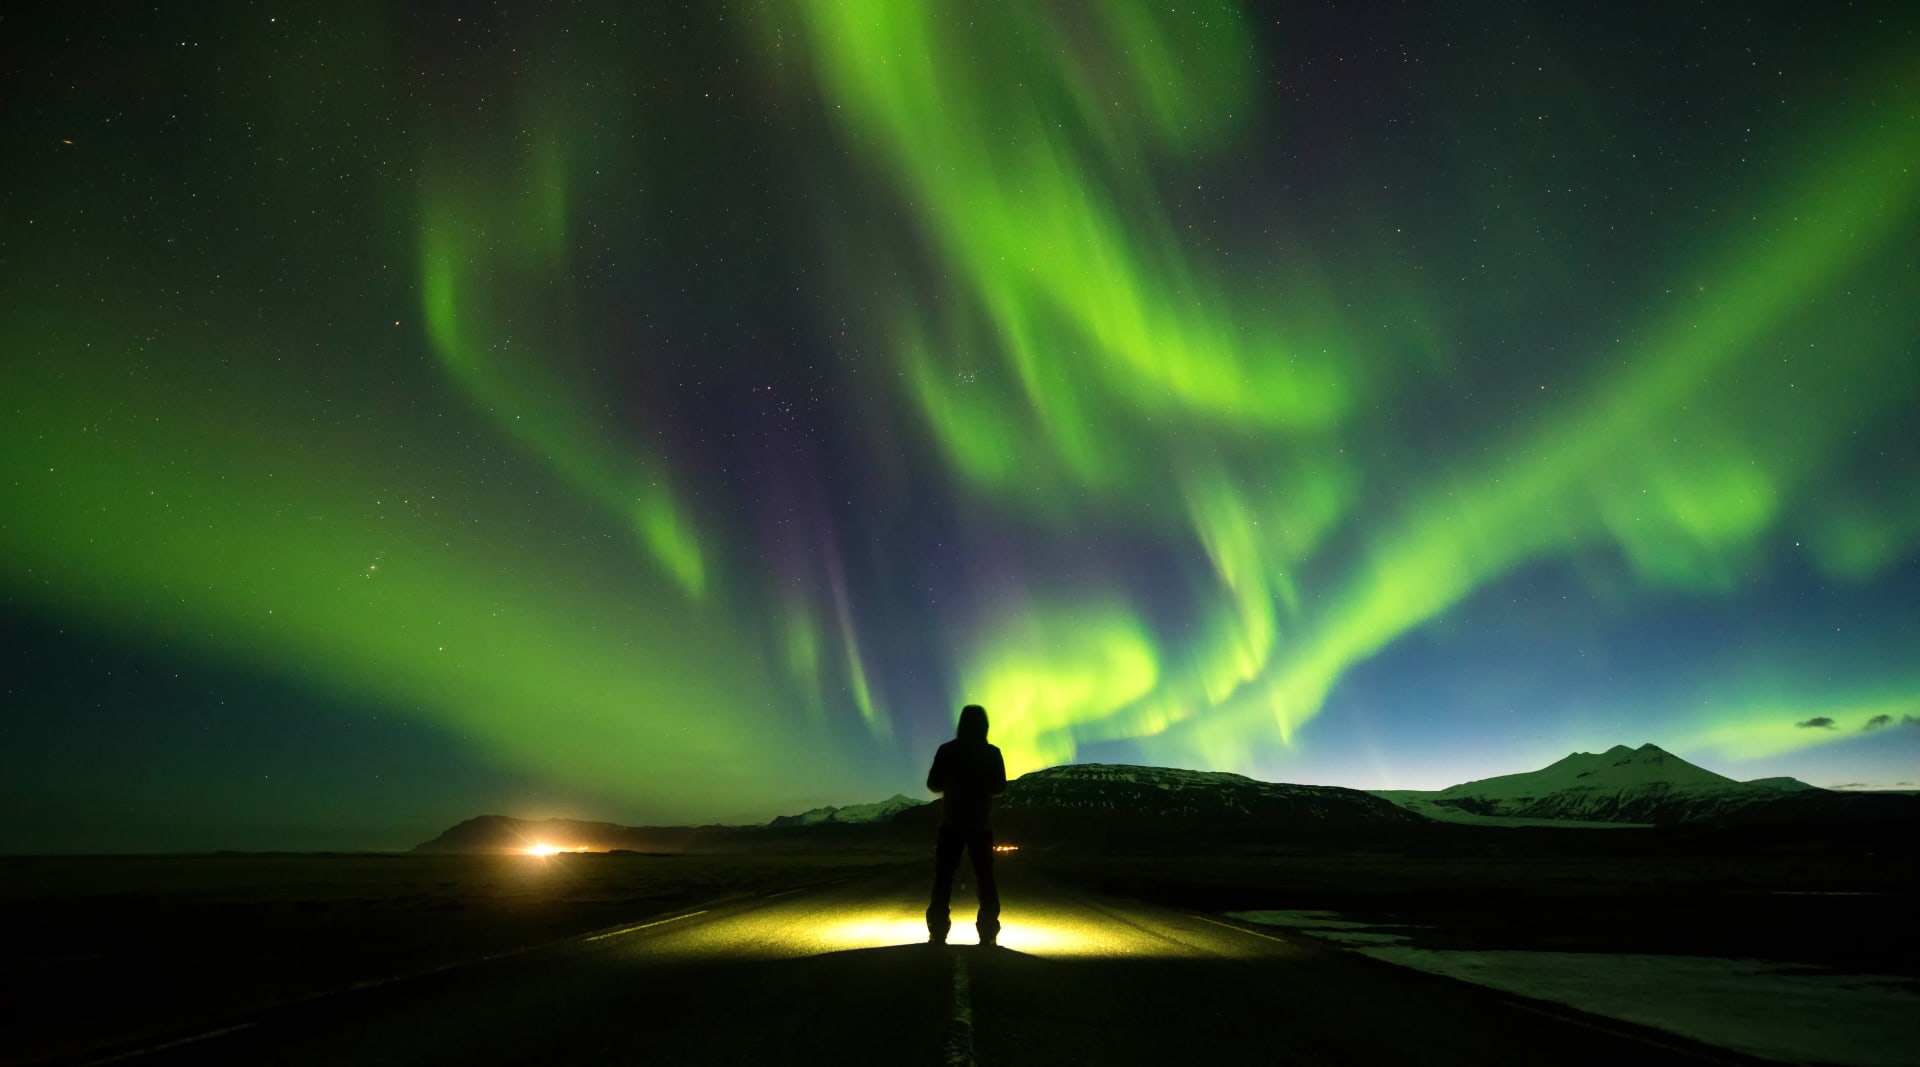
point(672, 413)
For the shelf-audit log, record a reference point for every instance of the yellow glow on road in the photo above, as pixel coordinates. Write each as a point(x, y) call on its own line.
point(1049, 932)
point(1038, 920)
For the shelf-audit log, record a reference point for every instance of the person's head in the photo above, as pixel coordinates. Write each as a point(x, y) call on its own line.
point(973, 722)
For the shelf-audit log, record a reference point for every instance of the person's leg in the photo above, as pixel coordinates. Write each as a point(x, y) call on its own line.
point(946, 860)
point(980, 850)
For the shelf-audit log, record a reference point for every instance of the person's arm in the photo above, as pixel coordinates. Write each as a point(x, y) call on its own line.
point(998, 784)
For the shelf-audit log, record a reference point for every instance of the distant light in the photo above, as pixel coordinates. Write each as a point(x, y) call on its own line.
point(1006, 848)
point(542, 850)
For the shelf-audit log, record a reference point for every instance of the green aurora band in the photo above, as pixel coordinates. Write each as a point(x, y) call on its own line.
point(195, 515)
point(1685, 457)
point(197, 488)
point(468, 513)
point(495, 284)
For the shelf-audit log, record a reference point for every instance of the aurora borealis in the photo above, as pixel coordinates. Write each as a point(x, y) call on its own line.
point(672, 413)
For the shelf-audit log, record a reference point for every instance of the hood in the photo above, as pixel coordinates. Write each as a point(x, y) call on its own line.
point(973, 723)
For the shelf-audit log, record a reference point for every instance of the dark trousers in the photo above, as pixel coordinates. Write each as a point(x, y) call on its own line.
point(946, 860)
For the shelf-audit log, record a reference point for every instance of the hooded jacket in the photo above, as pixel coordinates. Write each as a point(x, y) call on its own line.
point(969, 773)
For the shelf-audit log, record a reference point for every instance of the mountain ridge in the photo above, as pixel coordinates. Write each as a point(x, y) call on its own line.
point(1123, 804)
point(1123, 801)
point(1086, 801)
point(1617, 765)
point(1621, 786)
point(850, 813)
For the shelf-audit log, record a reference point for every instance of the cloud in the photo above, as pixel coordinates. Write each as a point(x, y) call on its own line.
point(1818, 722)
point(1879, 722)
point(1909, 720)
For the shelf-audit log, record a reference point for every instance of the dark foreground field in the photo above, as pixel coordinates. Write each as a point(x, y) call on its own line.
point(1849, 901)
point(112, 955)
point(107, 951)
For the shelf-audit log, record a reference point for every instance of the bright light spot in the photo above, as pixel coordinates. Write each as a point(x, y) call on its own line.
point(544, 849)
point(1006, 848)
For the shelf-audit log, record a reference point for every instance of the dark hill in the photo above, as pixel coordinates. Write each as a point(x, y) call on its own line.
point(1095, 804)
point(503, 833)
point(1119, 805)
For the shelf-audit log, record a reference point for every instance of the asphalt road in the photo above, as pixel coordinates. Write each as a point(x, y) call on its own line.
point(840, 974)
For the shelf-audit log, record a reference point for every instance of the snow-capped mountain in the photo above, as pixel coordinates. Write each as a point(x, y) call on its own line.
point(1645, 785)
point(851, 813)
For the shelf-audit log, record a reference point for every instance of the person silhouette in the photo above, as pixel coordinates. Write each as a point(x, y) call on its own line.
point(968, 773)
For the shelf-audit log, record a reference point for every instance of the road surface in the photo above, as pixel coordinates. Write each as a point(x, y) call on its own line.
point(840, 974)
